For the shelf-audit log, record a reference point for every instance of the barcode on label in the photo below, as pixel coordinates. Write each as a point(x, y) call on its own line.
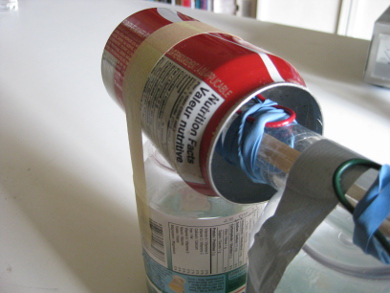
point(157, 243)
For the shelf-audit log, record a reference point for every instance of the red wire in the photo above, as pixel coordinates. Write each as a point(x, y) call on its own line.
point(283, 122)
point(275, 124)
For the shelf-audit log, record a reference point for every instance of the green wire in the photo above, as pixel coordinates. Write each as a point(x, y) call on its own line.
point(341, 195)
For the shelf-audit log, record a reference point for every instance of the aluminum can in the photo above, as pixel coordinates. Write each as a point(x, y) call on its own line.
point(200, 77)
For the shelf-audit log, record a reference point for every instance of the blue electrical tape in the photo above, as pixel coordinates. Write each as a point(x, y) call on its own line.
point(242, 140)
point(369, 214)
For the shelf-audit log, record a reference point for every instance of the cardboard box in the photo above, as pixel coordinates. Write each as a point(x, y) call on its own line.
point(378, 62)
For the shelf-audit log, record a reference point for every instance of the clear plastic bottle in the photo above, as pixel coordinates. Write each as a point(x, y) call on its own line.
point(198, 243)
point(280, 148)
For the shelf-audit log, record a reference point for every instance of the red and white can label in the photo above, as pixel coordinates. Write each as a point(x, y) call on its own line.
point(176, 108)
point(186, 78)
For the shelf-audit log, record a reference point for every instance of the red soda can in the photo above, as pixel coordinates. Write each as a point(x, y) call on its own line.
point(188, 79)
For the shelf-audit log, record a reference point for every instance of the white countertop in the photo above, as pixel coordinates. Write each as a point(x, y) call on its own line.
point(67, 210)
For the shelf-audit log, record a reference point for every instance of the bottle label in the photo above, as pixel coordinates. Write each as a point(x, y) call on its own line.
point(202, 255)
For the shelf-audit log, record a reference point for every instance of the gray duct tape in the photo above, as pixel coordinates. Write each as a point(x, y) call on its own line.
point(307, 200)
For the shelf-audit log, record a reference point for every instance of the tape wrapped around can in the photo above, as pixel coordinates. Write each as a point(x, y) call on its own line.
point(180, 81)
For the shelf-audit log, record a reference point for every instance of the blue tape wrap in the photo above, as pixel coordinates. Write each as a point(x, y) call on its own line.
point(369, 214)
point(242, 140)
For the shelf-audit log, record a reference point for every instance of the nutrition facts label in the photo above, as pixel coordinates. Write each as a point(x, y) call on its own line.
point(176, 108)
point(206, 247)
point(210, 250)
point(206, 255)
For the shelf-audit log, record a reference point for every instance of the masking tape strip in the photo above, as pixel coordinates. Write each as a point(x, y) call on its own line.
point(137, 72)
point(307, 200)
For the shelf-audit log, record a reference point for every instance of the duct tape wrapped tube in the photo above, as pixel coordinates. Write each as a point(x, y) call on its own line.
point(299, 212)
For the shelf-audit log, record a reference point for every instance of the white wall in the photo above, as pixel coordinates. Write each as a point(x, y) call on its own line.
point(354, 18)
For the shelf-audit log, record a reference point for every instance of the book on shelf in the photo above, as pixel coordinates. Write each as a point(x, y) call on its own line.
point(246, 8)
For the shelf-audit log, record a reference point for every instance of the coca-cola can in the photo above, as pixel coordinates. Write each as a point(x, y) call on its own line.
point(188, 80)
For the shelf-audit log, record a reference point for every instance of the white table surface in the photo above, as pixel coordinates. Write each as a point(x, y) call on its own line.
point(67, 211)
